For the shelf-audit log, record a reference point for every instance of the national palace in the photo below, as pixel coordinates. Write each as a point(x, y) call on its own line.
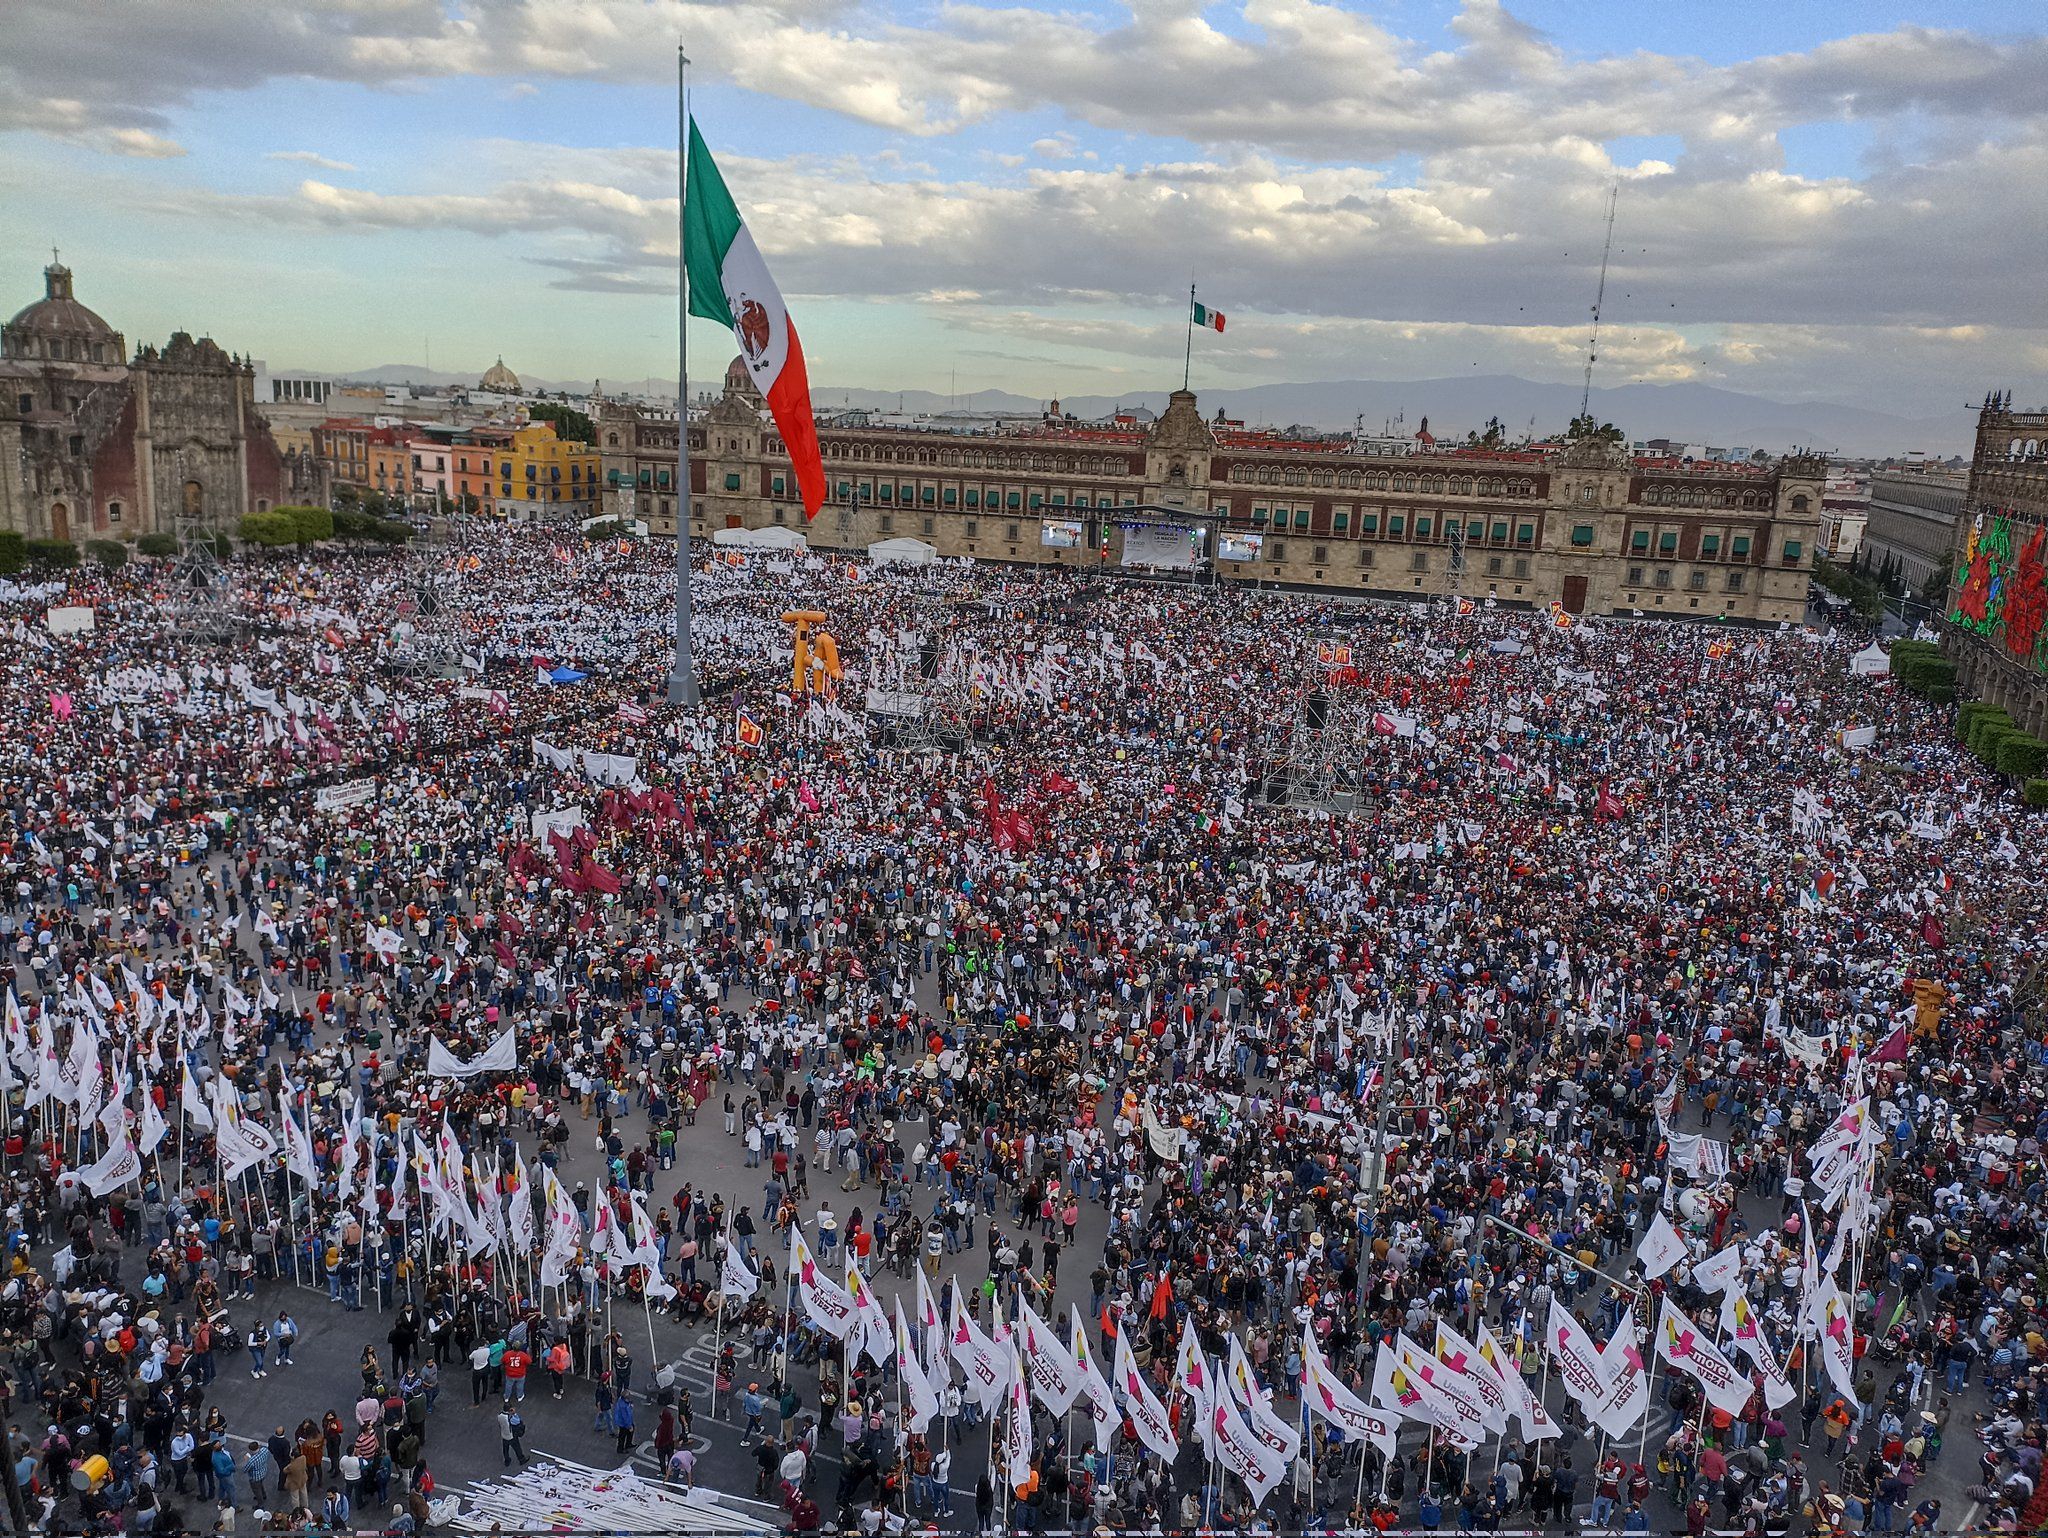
point(1583, 524)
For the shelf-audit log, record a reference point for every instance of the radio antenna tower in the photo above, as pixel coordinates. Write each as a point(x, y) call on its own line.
point(1599, 298)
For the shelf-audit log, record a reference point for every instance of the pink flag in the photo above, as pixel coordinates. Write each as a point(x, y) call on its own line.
point(60, 706)
point(1892, 1049)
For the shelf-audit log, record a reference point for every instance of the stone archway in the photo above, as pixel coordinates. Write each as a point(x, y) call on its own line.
point(60, 521)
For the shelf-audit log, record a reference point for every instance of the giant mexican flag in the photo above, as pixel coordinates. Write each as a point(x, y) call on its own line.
point(729, 282)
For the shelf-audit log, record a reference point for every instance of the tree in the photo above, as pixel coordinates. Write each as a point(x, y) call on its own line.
point(13, 552)
point(158, 544)
point(310, 523)
point(110, 553)
point(571, 425)
point(57, 554)
point(1589, 427)
point(1494, 434)
point(271, 530)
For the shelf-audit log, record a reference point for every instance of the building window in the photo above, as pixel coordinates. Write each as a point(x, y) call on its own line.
point(1301, 517)
point(1589, 496)
point(1276, 550)
point(1365, 555)
point(1258, 517)
point(1494, 565)
point(1792, 550)
point(1667, 541)
point(906, 493)
point(1398, 524)
point(779, 517)
point(1521, 566)
point(776, 484)
point(1418, 561)
point(1037, 500)
point(973, 527)
point(1639, 539)
point(930, 494)
point(1583, 534)
point(1369, 523)
point(1422, 528)
point(113, 512)
point(973, 498)
point(1710, 544)
point(1340, 521)
point(732, 483)
point(1735, 581)
point(1320, 555)
point(931, 524)
point(1663, 576)
point(1742, 544)
point(1015, 499)
point(888, 522)
point(1525, 533)
point(952, 496)
point(1799, 503)
point(1500, 531)
point(1013, 532)
point(1635, 576)
point(1697, 582)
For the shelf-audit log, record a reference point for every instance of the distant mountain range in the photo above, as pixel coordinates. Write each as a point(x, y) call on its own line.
point(1690, 413)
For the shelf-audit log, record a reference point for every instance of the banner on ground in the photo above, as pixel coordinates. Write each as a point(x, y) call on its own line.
point(501, 1056)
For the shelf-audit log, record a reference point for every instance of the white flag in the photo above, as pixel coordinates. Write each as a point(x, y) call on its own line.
point(116, 1167)
point(921, 1397)
point(735, 1278)
point(1017, 1428)
point(1579, 1365)
point(501, 1056)
point(154, 1127)
point(976, 1354)
point(1719, 1272)
point(1095, 1391)
point(1680, 1343)
point(871, 1330)
point(1628, 1380)
point(1054, 1374)
point(1528, 1409)
point(829, 1305)
point(1661, 1248)
point(1154, 1425)
point(1242, 1452)
point(1266, 1426)
point(1326, 1394)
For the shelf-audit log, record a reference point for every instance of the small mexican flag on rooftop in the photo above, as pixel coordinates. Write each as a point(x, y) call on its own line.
point(1204, 316)
point(729, 283)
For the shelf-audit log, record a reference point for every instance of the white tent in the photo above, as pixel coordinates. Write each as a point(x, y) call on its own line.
point(908, 552)
point(773, 537)
point(1873, 660)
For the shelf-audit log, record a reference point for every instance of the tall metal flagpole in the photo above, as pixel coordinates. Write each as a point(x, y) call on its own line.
point(682, 678)
point(1187, 364)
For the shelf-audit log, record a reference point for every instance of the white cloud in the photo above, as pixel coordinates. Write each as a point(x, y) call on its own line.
point(309, 158)
point(141, 144)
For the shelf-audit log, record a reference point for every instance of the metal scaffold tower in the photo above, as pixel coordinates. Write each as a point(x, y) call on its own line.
point(920, 694)
point(425, 631)
point(202, 594)
point(1316, 751)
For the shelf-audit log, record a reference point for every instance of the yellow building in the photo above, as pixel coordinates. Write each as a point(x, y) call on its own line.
point(543, 479)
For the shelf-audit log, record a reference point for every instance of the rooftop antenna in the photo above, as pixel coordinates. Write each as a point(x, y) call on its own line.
point(1599, 298)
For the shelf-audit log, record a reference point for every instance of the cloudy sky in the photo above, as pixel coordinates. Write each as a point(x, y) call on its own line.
point(1841, 201)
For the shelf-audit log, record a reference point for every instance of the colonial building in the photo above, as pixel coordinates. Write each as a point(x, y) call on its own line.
point(1913, 517)
point(1587, 525)
point(1997, 628)
point(94, 444)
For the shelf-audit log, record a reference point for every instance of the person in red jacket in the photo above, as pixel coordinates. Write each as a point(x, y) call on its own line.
point(517, 1363)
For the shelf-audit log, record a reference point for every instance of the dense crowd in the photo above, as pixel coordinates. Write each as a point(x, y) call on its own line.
point(1051, 1019)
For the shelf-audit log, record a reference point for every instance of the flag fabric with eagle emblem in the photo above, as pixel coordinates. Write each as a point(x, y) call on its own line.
point(729, 283)
point(1209, 319)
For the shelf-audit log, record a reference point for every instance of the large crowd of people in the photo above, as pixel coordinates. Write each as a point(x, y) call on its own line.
point(1606, 981)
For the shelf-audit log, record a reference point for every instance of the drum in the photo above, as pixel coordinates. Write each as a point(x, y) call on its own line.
point(91, 1473)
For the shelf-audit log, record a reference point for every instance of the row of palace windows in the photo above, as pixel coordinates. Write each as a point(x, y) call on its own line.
point(1401, 525)
point(1711, 496)
point(1695, 582)
point(978, 459)
point(1384, 480)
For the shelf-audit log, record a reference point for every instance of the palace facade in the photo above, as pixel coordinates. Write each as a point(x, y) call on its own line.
point(1997, 604)
point(1585, 525)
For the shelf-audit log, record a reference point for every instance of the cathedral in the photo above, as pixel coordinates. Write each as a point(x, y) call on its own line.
point(97, 445)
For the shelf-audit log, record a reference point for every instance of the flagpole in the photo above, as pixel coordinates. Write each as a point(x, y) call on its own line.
point(682, 678)
point(1188, 363)
point(718, 1323)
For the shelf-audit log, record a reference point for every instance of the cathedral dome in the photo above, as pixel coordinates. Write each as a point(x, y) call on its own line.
point(58, 329)
point(499, 379)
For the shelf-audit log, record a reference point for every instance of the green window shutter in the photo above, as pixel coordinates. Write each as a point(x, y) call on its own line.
point(973, 498)
point(1742, 544)
point(612, 476)
point(1667, 541)
point(778, 483)
point(1340, 522)
point(906, 493)
point(1037, 501)
point(1369, 522)
point(1792, 549)
point(845, 488)
point(930, 495)
point(1500, 531)
point(1475, 530)
point(646, 476)
point(1525, 533)
point(1398, 524)
point(1583, 534)
point(1059, 499)
point(1080, 499)
point(732, 483)
point(1709, 544)
point(1422, 528)
point(661, 478)
point(1639, 540)
point(953, 496)
point(1258, 515)
point(1016, 499)
point(1301, 517)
